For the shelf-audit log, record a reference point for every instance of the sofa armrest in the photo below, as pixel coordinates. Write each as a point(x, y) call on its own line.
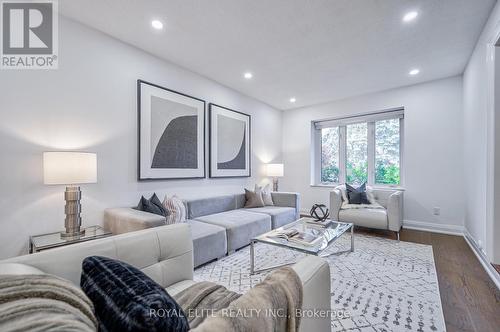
point(395, 211)
point(123, 220)
point(287, 200)
point(314, 272)
point(335, 203)
point(18, 269)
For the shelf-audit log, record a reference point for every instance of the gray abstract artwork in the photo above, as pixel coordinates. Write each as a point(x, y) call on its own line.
point(174, 134)
point(231, 143)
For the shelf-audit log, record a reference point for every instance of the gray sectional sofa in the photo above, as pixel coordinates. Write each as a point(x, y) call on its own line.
point(219, 225)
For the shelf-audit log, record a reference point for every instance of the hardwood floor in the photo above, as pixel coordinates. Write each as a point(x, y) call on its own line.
point(471, 301)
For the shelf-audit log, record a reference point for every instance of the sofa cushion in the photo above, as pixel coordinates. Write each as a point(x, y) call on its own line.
point(209, 241)
point(241, 226)
point(280, 216)
point(123, 297)
point(372, 218)
point(206, 206)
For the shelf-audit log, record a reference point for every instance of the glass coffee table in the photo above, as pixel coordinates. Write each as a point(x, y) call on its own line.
point(328, 235)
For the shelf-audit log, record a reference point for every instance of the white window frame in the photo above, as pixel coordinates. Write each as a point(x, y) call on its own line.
point(341, 123)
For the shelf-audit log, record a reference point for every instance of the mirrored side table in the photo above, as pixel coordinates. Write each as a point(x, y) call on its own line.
point(53, 240)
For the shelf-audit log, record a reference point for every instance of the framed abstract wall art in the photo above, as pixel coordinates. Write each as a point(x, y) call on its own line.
point(230, 142)
point(171, 134)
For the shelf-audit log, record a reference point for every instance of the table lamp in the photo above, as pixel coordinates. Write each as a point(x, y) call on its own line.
point(275, 171)
point(70, 169)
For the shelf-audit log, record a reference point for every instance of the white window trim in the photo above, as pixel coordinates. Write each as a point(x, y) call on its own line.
point(341, 123)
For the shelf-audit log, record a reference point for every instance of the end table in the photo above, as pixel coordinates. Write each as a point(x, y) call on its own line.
point(53, 240)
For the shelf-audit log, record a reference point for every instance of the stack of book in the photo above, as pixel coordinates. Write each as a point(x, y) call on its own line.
point(295, 236)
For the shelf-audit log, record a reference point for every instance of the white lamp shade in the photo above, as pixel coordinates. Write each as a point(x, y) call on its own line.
point(275, 170)
point(69, 168)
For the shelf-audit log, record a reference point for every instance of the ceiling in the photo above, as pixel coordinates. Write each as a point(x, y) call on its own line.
point(314, 50)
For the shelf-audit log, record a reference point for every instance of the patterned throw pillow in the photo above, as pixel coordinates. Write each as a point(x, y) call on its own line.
point(125, 299)
point(266, 194)
point(176, 210)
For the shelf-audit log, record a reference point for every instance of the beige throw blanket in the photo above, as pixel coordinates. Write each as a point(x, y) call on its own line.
point(204, 299)
point(270, 306)
point(43, 303)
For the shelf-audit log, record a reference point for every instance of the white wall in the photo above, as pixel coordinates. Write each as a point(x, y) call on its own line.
point(89, 104)
point(476, 119)
point(433, 162)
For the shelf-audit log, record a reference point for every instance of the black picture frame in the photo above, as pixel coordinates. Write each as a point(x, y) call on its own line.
point(140, 178)
point(211, 140)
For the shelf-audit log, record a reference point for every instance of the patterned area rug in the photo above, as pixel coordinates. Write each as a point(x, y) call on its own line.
point(384, 285)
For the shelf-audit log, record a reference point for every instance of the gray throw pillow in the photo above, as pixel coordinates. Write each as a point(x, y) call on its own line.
point(254, 198)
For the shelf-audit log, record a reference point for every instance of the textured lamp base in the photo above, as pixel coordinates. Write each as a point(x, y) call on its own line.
point(73, 208)
point(275, 184)
point(65, 235)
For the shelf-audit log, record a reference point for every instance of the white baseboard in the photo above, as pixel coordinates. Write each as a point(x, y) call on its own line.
point(434, 227)
point(481, 256)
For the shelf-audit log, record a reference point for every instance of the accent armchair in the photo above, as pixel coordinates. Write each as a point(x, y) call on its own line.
point(390, 217)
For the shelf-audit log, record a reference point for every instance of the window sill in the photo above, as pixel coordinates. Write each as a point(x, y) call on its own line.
point(377, 187)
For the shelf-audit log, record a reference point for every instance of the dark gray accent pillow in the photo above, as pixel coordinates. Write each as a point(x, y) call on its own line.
point(254, 198)
point(152, 205)
point(125, 299)
point(357, 195)
point(156, 201)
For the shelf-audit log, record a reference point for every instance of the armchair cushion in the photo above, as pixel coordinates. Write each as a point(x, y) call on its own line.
point(372, 218)
point(374, 205)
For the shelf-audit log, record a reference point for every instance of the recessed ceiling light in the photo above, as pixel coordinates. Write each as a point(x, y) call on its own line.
point(293, 100)
point(248, 75)
point(414, 72)
point(157, 24)
point(410, 16)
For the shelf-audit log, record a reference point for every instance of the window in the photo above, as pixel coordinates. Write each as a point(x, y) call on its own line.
point(387, 166)
point(330, 168)
point(359, 149)
point(357, 153)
